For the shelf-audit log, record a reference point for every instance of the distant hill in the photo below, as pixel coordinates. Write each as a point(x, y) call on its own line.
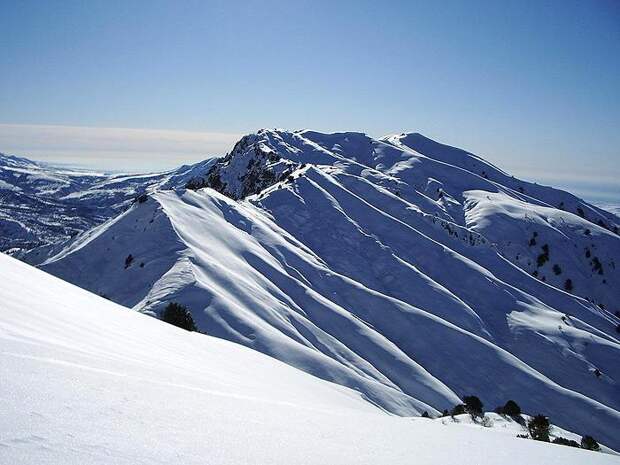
point(41, 204)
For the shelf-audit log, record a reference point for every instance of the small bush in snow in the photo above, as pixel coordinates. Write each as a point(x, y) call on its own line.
point(539, 428)
point(597, 265)
point(565, 442)
point(542, 259)
point(458, 410)
point(178, 315)
point(568, 285)
point(588, 442)
point(425, 414)
point(557, 270)
point(128, 260)
point(473, 406)
point(511, 408)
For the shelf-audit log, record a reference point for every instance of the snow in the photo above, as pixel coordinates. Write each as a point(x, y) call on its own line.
point(87, 381)
point(327, 299)
point(399, 267)
point(55, 203)
point(510, 426)
point(7, 186)
point(506, 221)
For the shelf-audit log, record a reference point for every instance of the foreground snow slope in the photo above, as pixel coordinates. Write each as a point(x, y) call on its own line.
point(369, 264)
point(84, 380)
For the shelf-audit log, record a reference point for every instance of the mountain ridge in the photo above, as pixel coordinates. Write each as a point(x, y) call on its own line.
point(370, 264)
point(43, 204)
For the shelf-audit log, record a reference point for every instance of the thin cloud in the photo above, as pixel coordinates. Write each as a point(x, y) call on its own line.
point(113, 148)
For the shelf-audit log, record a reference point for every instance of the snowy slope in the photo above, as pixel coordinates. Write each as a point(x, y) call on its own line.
point(520, 218)
point(87, 381)
point(43, 204)
point(368, 263)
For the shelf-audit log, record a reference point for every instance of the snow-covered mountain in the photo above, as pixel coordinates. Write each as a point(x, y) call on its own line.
point(412, 272)
point(87, 381)
point(42, 204)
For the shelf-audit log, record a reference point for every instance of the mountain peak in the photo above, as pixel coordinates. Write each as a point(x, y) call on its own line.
point(408, 273)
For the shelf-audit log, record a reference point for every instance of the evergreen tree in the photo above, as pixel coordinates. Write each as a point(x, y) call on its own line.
point(539, 428)
point(588, 442)
point(473, 406)
point(178, 315)
point(512, 409)
point(565, 442)
point(458, 410)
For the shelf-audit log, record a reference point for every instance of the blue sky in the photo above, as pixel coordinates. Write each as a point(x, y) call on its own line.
point(533, 86)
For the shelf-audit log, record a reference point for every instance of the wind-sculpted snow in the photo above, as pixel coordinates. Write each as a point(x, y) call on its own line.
point(399, 267)
point(87, 381)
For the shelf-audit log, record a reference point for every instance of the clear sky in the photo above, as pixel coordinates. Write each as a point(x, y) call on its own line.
point(533, 86)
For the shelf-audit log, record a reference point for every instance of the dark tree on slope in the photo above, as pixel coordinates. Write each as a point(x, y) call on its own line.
point(473, 405)
point(178, 315)
point(565, 442)
point(539, 428)
point(458, 410)
point(511, 408)
point(568, 285)
point(588, 442)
